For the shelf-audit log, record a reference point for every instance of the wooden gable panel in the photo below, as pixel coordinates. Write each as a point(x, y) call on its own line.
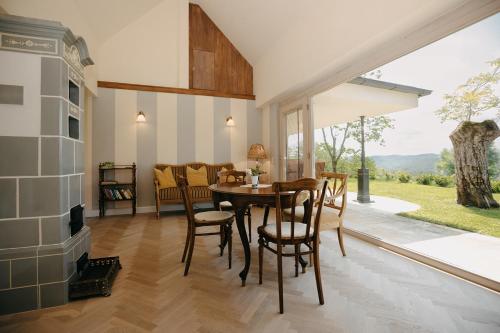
point(232, 72)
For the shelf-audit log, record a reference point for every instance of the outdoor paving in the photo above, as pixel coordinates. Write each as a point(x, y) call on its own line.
point(470, 251)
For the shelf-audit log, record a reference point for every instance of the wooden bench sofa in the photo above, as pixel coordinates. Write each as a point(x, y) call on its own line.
point(172, 195)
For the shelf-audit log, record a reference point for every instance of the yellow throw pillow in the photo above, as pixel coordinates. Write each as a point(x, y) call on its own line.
point(197, 177)
point(165, 177)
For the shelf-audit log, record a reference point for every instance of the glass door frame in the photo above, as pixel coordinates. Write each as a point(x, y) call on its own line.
point(302, 103)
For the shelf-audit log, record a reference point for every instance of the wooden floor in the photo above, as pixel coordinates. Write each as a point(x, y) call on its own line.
point(370, 290)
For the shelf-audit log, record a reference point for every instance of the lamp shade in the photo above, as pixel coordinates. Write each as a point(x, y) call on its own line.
point(257, 152)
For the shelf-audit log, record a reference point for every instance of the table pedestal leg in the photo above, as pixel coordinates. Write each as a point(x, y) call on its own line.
point(240, 222)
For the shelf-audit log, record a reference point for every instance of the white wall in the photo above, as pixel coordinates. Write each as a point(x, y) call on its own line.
point(152, 50)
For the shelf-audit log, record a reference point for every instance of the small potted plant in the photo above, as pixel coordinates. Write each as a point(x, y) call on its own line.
point(255, 173)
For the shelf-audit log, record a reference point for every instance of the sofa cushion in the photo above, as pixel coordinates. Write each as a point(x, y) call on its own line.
point(197, 177)
point(165, 178)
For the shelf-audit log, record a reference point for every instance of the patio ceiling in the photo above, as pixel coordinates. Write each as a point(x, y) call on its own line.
point(363, 97)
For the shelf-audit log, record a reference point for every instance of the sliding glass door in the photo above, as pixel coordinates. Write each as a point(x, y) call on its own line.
point(295, 150)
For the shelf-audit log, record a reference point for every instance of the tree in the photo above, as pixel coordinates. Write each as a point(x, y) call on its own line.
point(336, 136)
point(471, 139)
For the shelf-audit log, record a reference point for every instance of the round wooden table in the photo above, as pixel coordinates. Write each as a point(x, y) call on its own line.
point(241, 198)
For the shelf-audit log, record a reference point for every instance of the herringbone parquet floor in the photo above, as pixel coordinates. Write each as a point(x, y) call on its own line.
point(370, 290)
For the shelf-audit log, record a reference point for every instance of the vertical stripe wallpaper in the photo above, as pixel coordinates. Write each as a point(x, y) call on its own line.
point(146, 147)
point(222, 133)
point(178, 129)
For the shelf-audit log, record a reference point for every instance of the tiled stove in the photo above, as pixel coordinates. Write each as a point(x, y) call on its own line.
point(41, 161)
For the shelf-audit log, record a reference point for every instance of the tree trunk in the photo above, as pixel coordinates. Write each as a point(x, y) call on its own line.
point(470, 144)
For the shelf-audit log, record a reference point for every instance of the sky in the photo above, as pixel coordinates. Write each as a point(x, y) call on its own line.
point(440, 67)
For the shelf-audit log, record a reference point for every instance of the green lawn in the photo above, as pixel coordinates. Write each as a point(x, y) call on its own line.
point(438, 206)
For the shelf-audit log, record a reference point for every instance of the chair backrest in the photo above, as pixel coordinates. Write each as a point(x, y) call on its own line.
point(310, 187)
point(232, 177)
point(183, 186)
point(212, 169)
point(337, 191)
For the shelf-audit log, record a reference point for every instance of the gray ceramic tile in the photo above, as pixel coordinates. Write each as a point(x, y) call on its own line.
point(64, 80)
point(51, 156)
point(82, 125)
point(22, 252)
point(68, 156)
point(19, 156)
point(64, 118)
point(55, 229)
point(82, 191)
point(7, 198)
point(51, 116)
point(53, 294)
point(52, 77)
point(18, 300)
point(79, 157)
point(69, 265)
point(50, 269)
point(24, 272)
point(19, 233)
point(10, 94)
point(4, 274)
point(43, 196)
point(74, 191)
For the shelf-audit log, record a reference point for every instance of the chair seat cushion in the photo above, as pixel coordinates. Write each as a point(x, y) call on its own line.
point(213, 216)
point(329, 217)
point(225, 204)
point(286, 230)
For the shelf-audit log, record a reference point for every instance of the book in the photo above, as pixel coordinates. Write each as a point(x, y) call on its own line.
point(109, 182)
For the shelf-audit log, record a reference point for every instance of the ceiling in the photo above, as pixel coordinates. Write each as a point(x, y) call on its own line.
point(106, 18)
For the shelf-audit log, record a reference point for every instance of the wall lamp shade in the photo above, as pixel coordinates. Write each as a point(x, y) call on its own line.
point(141, 117)
point(257, 152)
point(229, 121)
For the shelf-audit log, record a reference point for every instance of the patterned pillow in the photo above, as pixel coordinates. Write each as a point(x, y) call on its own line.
point(165, 177)
point(197, 177)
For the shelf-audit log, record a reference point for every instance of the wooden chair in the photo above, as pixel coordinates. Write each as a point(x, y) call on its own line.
point(335, 200)
point(304, 231)
point(234, 178)
point(203, 219)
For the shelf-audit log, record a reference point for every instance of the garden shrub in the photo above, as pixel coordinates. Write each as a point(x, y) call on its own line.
point(389, 175)
point(425, 179)
point(495, 185)
point(443, 181)
point(404, 177)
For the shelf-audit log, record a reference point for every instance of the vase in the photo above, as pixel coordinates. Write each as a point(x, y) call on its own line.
point(255, 181)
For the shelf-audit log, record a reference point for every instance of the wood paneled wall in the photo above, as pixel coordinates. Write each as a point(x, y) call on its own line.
point(215, 64)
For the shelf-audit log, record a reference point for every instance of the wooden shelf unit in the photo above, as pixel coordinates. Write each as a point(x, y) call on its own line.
point(104, 185)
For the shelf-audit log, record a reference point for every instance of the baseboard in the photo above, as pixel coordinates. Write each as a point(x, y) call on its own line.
point(199, 206)
point(120, 211)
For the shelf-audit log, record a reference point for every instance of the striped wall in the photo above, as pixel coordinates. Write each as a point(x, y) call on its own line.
point(178, 129)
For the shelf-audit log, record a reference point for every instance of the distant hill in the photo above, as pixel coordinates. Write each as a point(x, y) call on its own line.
point(414, 164)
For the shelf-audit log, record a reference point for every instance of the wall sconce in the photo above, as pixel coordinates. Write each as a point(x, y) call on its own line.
point(229, 121)
point(141, 117)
